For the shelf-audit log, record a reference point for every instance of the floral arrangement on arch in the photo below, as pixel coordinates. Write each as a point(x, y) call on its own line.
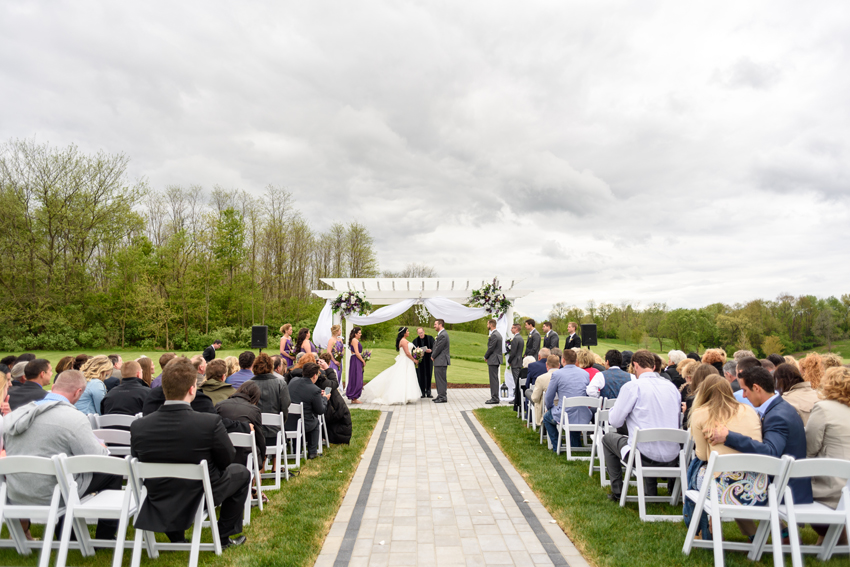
point(491, 298)
point(349, 302)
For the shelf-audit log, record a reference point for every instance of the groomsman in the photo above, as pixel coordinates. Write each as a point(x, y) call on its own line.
point(550, 338)
point(441, 357)
point(515, 358)
point(532, 345)
point(493, 356)
point(573, 341)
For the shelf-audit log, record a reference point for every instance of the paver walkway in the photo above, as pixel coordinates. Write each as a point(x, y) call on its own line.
point(433, 489)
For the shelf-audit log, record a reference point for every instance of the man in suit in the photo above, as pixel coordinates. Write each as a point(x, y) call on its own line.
point(442, 358)
point(573, 341)
point(425, 368)
point(303, 390)
point(115, 378)
point(209, 352)
point(515, 362)
point(782, 429)
point(128, 397)
point(532, 344)
point(37, 374)
point(177, 434)
point(730, 371)
point(493, 356)
point(550, 338)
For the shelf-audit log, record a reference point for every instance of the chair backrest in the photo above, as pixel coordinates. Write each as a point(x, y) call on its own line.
point(581, 401)
point(819, 467)
point(170, 470)
point(245, 440)
point(273, 419)
point(113, 436)
point(27, 465)
point(747, 462)
point(93, 464)
point(602, 416)
point(609, 403)
point(115, 420)
point(679, 436)
point(297, 409)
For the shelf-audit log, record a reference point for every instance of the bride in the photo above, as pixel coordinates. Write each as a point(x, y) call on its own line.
point(398, 383)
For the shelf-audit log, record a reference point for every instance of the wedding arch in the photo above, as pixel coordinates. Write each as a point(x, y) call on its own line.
point(444, 298)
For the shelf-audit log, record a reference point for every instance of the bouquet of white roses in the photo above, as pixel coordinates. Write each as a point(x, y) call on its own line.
point(417, 353)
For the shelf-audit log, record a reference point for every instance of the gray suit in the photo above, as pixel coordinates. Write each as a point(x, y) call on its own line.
point(493, 356)
point(552, 341)
point(442, 359)
point(532, 345)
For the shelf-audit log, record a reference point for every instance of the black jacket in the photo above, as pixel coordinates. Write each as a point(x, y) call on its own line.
point(274, 398)
point(294, 373)
point(176, 434)
point(337, 415)
point(209, 353)
point(111, 382)
point(24, 394)
point(573, 341)
point(238, 408)
point(201, 404)
point(302, 390)
point(127, 398)
point(674, 375)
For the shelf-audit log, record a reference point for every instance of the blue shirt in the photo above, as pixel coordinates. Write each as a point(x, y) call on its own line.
point(238, 378)
point(568, 382)
point(52, 397)
point(89, 402)
point(739, 395)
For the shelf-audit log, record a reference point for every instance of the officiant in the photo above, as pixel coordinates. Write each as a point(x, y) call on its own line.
point(426, 367)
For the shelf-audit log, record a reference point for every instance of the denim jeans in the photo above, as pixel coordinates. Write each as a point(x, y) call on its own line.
point(552, 430)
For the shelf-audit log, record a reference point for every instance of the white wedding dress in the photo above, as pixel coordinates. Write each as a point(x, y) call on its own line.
point(397, 385)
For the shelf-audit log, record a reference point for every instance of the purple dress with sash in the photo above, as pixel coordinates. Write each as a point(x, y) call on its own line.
point(355, 375)
point(287, 346)
point(338, 348)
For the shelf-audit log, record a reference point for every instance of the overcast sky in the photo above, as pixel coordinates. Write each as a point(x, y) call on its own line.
point(643, 151)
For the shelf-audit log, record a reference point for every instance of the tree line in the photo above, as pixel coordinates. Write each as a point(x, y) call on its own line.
point(92, 258)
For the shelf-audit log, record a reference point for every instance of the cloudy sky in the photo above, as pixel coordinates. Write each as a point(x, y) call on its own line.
point(644, 151)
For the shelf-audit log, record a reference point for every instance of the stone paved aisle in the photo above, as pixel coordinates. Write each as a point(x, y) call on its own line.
point(433, 496)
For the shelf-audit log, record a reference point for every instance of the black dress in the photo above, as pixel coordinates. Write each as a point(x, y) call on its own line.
point(426, 366)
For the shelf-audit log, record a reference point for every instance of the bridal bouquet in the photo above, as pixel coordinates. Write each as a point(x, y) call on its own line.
point(491, 298)
point(349, 302)
point(338, 352)
point(367, 354)
point(289, 348)
point(417, 354)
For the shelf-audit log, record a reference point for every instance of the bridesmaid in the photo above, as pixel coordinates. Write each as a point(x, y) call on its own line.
point(286, 345)
point(335, 345)
point(355, 367)
point(303, 342)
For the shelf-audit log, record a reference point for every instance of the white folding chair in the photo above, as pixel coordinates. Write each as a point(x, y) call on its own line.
point(297, 436)
point(565, 427)
point(323, 433)
point(106, 504)
point(206, 508)
point(707, 500)
point(247, 441)
point(635, 466)
point(117, 440)
point(599, 431)
point(608, 403)
point(113, 420)
point(12, 514)
point(280, 460)
point(816, 513)
point(92, 417)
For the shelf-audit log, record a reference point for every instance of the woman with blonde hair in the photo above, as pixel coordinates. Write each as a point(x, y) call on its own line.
point(791, 360)
point(812, 369)
point(831, 360)
point(147, 369)
point(795, 390)
point(233, 365)
point(335, 349)
point(715, 405)
point(287, 352)
point(701, 371)
point(585, 360)
point(828, 432)
point(96, 370)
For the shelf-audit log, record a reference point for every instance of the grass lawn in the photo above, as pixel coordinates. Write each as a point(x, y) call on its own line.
point(288, 532)
point(841, 348)
point(606, 534)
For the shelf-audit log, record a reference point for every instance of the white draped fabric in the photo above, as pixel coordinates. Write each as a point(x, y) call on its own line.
point(322, 330)
point(383, 314)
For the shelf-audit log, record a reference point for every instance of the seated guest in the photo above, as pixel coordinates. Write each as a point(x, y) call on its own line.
point(674, 357)
point(626, 355)
point(715, 405)
point(200, 365)
point(782, 429)
point(523, 393)
point(301, 359)
point(96, 370)
point(325, 363)
point(730, 372)
point(715, 357)
point(695, 356)
point(648, 402)
point(537, 394)
point(538, 368)
point(741, 354)
point(128, 397)
point(5, 384)
point(702, 372)
point(776, 359)
point(303, 390)
point(812, 369)
point(176, 434)
point(611, 380)
point(243, 406)
point(585, 360)
point(274, 394)
point(36, 375)
point(743, 365)
point(567, 382)
point(115, 377)
point(246, 360)
point(337, 414)
point(830, 360)
point(828, 435)
point(232, 366)
point(163, 360)
point(65, 363)
point(48, 427)
point(79, 360)
point(214, 385)
point(795, 391)
point(10, 360)
point(18, 377)
point(767, 365)
point(147, 369)
point(277, 364)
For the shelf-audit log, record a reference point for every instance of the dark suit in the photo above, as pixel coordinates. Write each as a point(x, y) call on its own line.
point(441, 358)
point(493, 356)
point(425, 367)
point(515, 362)
point(551, 340)
point(201, 404)
point(24, 394)
point(302, 390)
point(238, 408)
point(209, 353)
point(127, 398)
point(783, 433)
point(177, 434)
point(111, 382)
point(573, 341)
point(532, 344)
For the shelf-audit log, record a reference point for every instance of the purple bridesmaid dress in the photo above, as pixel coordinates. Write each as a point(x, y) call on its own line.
point(355, 375)
point(287, 345)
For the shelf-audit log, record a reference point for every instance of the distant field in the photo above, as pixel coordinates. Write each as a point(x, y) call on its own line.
point(841, 348)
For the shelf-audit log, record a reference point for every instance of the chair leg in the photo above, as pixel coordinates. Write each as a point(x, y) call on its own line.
point(692, 529)
point(49, 529)
point(121, 536)
point(195, 549)
point(65, 538)
point(775, 529)
point(137, 549)
point(830, 540)
point(641, 490)
point(716, 525)
point(793, 533)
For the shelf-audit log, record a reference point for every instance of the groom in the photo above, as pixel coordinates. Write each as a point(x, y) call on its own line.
point(441, 358)
point(493, 356)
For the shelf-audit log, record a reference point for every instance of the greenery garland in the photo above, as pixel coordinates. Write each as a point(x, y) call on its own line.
point(349, 302)
point(491, 298)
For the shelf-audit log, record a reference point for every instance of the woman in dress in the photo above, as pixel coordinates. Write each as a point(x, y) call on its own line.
point(335, 346)
point(715, 405)
point(286, 345)
point(355, 367)
point(96, 370)
point(303, 342)
point(397, 384)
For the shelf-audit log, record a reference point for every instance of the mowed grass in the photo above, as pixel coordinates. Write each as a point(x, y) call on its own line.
point(841, 348)
point(606, 534)
point(288, 532)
